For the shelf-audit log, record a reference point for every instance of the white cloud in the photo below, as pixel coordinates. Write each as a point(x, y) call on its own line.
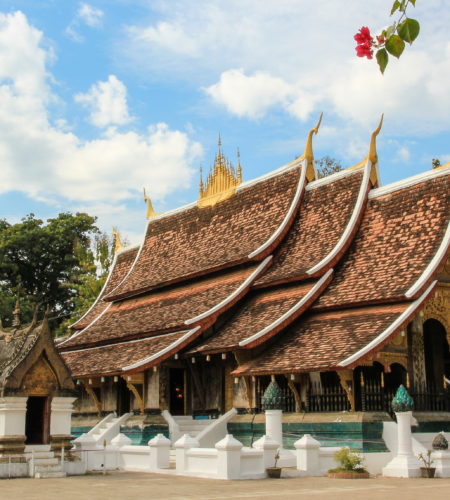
point(107, 102)
point(300, 57)
point(90, 15)
point(50, 162)
point(87, 15)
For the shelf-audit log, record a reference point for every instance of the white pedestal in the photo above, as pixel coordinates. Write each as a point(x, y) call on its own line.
point(405, 464)
point(12, 416)
point(307, 451)
point(274, 426)
point(229, 458)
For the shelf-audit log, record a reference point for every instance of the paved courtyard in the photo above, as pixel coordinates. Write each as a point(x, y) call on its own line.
point(138, 486)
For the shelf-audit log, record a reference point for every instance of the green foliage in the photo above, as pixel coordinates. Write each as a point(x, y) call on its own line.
point(327, 166)
point(47, 263)
point(409, 30)
point(393, 38)
point(426, 458)
point(382, 59)
point(349, 460)
point(395, 45)
point(435, 162)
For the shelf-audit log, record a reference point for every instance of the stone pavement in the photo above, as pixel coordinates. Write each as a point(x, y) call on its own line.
point(139, 486)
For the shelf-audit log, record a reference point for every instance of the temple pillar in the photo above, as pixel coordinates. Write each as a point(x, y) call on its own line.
point(12, 425)
point(60, 423)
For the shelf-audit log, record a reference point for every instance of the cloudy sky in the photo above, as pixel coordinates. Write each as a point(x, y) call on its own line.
point(99, 99)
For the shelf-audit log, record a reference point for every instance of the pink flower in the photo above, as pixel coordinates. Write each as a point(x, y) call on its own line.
point(364, 51)
point(364, 42)
point(364, 36)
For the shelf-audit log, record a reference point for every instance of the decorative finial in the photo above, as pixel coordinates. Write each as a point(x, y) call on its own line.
point(16, 314)
point(402, 400)
point(308, 154)
point(117, 240)
point(373, 156)
point(150, 212)
point(221, 182)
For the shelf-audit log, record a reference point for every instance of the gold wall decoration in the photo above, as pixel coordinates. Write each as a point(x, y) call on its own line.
point(40, 380)
point(347, 383)
point(221, 182)
point(438, 307)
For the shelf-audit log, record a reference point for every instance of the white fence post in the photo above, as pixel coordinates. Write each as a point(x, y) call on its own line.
point(181, 446)
point(269, 448)
point(228, 457)
point(159, 452)
point(307, 451)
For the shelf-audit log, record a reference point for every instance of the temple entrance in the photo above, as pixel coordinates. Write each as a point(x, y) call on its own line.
point(437, 354)
point(37, 420)
point(123, 397)
point(176, 391)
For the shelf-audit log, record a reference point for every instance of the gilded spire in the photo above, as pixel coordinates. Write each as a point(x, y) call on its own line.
point(221, 181)
point(150, 212)
point(372, 155)
point(118, 245)
point(308, 154)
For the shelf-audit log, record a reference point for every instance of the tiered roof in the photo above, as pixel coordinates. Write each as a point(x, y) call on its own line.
point(327, 269)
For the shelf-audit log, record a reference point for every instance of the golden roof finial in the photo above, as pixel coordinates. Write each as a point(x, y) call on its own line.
point(118, 245)
point(221, 182)
point(150, 212)
point(308, 154)
point(372, 155)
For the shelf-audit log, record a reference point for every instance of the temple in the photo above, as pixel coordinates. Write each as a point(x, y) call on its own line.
point(335, 287)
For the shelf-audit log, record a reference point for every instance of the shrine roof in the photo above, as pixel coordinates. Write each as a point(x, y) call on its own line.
point(323, 341)
point(402, 239)
point(192, 241)
point(165, 309)
point(119, 268)
point(111, 358)
point(261, 316)
point(319, 226)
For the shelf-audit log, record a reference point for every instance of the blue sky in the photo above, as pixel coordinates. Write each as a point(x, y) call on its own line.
point(101, 98)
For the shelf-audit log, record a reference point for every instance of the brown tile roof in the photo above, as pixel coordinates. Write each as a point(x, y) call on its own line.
point(119, 269)
point(161, 310)
point(263, 313)
point(111, 358)
point(195, 240)
point(320, 341)
point(398, 237)
point(321, 220)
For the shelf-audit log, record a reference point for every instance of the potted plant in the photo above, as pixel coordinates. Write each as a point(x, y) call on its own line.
point(350, 465)
point(274, 472)
point(427, 471)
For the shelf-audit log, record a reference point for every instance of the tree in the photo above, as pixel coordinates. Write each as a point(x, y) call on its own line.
point(327, 166)
point(392, 39)
point(39, 262)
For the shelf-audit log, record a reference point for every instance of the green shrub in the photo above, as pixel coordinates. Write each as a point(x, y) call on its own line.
point(348, 460)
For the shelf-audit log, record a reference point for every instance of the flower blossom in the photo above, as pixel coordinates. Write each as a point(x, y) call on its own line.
point(364, 42)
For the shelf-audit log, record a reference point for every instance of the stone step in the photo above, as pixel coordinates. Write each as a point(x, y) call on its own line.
point(47, 468)
point(45, 461)
point(40, 455)
point(44, 475)
point(37, 448)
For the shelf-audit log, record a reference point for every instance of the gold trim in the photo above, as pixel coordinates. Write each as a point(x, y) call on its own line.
point(221, 182)
point(91, 393)
point(308, 154)
point(150, 212)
